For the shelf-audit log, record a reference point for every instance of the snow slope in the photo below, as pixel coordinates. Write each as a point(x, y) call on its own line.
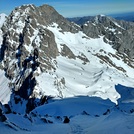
point(2, 20)
point(5, 91)
point(86, 114)
point(92, 78)
point(4, 87)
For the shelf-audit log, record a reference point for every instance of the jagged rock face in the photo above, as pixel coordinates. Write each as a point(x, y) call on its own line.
point(117, 33)
point(28, 47)
point(52, 15)
point(43, 15)
point(67, 52)
point(24, 31)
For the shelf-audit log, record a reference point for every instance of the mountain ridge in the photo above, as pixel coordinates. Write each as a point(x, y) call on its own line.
point(128, 16)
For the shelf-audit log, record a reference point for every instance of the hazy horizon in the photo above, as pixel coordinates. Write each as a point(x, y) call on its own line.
point(76, 8)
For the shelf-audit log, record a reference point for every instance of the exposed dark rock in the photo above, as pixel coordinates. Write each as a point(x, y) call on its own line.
point(66, 120)
point(3, 48)
point(117, 33)
point(132, 111)
point(7, 109)
point(44, 99)
point(59, 118)
point(97, 115)
point(51, 16)
point(48, 45)
point(67, 52)
point(0, 112)
point(91, 30)
point(107, 112)
point(30, 105)
point(21, 34)
point(3, 118)
point(44, 120)
point(106, 59)
point(83, 58)
point(49, 121)
point(27, 87)
point(85, 113)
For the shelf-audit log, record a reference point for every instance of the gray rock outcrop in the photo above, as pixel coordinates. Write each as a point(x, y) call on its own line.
point(120, 34)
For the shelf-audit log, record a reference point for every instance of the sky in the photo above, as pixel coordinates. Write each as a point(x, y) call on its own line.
point(75, 8)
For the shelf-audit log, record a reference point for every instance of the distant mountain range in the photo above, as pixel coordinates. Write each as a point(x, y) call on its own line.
point(124, 16)
point(120, 16)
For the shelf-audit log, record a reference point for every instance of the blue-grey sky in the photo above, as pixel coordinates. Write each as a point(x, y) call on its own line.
point(74, 8)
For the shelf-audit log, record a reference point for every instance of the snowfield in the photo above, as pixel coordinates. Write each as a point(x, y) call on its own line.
point(86, 115)
point(2, 20)
point(92, 78)
point(5, 91)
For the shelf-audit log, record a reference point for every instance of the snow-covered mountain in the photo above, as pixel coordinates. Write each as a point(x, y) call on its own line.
point(5, 90)
point(2, 19)
point(54, 71)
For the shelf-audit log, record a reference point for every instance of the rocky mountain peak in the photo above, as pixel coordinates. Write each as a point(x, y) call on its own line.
point(115, 32)
point(101, 18)
point(47, 9)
